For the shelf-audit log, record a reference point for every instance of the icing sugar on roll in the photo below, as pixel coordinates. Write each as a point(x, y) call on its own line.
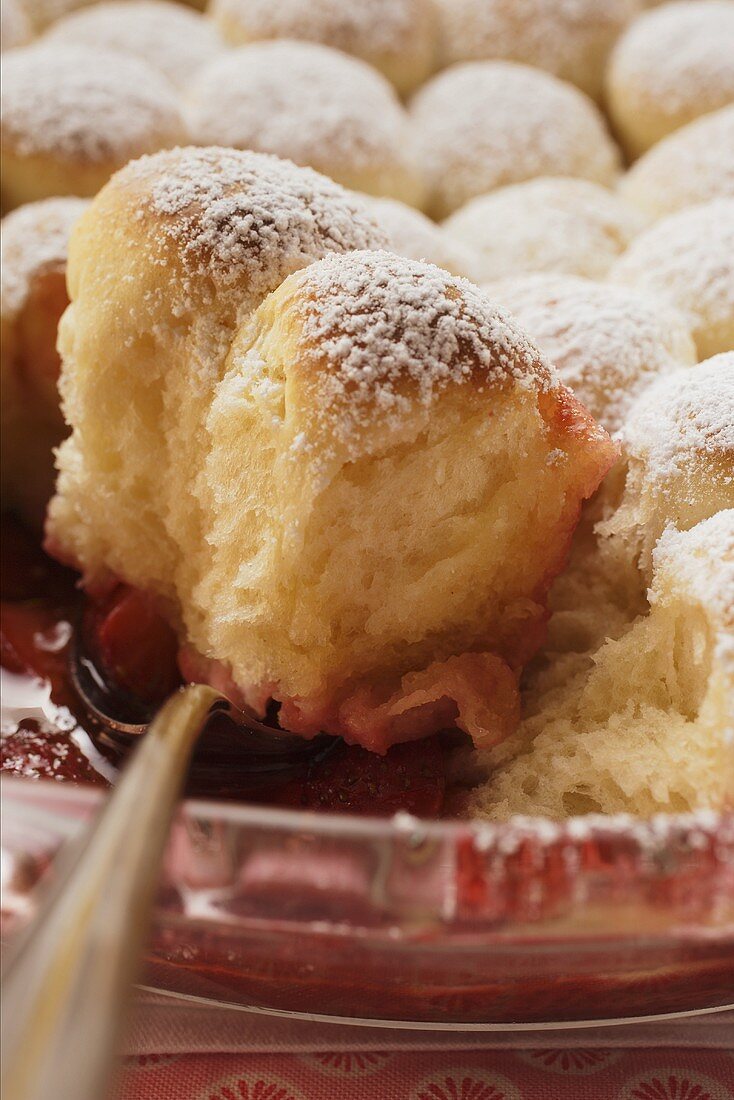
point(688, 258)
point(72, 115)
point(608, 343)
point(672, 65)
point(398, 37)
point(486, 124)
point(315, 106)
point(174, 40)
point(570, 226)
point(692, 165)
point(569, 38)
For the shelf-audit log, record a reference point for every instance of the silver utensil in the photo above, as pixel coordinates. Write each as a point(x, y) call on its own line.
point(66, 978)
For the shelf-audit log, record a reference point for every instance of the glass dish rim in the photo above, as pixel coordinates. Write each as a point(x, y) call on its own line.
point(441, 921)
point(543, 830)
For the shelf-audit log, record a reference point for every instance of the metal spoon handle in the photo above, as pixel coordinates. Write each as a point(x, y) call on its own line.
point(67, 978)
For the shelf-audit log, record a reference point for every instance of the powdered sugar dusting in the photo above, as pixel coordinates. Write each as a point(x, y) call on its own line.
point(393, 331)
point(648, 836)
point(385, 25)
point(303, 101)
point(173, 39)
point(701, 561)
point(34, 239)
point(557, 224)
point(684, 417)
point(486, 124)
point(692, 165)
point(679, 55)
point(85, 105)
point(557, 35)
point(416, 237)
point(608, 343)
point(689, 257)
point(246, 219)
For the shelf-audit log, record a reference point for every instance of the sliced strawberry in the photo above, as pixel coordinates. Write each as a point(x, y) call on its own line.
point(135, 646)
point(410, 777)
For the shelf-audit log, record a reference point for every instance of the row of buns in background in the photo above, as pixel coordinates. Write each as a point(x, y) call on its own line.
point(625, 279)
point(495, 92)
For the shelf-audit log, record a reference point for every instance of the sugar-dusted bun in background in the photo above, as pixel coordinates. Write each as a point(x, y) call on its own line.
point(486, 124)
point(173, 255)
point(174, 40)
point(71, 115)
point(349, 418)
point(398, 37)
point(416, 237)
point(15, 25)
point(571, 41)
point(677, 460)
point(646, 727)
point(695, 164)
point(672, 65)
point(570, 226)
point(314, 105)
point(608, 343)
point(33, 250)
point(688, 258)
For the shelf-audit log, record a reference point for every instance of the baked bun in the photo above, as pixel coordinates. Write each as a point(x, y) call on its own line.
point(678, 458)
point(571, 41)
point(398, 37)
point(315, 106)
point(174, 254)
point(486, 124)
point(569, 226)
point(172, 39)
point(689, 259)
point(72, 115)
point(15, 26)
point(671, 66)
point(348, 419)
point(33, 247)
point(693, 165)
point(607, 343)
point(647, 727)
point(413, 235)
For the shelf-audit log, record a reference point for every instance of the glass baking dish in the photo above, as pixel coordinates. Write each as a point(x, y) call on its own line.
point(428, 924)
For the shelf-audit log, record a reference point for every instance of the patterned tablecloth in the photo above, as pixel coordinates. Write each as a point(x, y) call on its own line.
point(179, 1051)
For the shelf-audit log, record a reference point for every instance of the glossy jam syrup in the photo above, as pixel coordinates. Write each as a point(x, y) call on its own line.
point(48, 734)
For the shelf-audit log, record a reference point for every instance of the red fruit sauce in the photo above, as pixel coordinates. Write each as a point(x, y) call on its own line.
point(512, 948)
point(50, 735)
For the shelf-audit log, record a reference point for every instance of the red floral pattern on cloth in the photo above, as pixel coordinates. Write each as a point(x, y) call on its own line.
point(461, 1083)
point(570, 1061)
point(347, 1063)
point(541, 1074)
point(666, 1084)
